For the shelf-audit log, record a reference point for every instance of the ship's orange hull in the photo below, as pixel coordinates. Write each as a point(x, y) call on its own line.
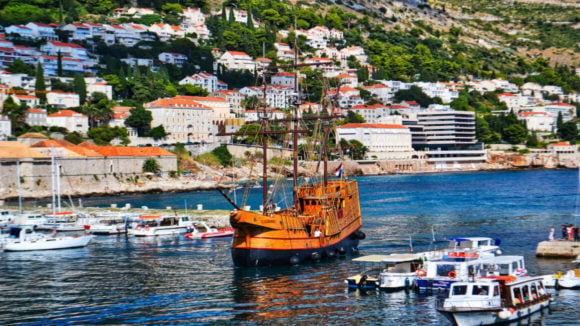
point(324, 223)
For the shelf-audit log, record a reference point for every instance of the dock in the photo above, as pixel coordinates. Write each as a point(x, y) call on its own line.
point(558, 249)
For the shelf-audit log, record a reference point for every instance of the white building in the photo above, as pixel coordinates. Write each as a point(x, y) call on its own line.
point(30, 101)
point(184, 120)
point(71, 120)
point(5, 127)
point(283, 51)
point(346, 98)
point(100, 87)
point(233, 97)
point(284, 79)
point(219, 106)
point(66, 50)
point(204, 80)
point(36, 117)
point(192, 16)
point(166, 32)
point(237, 60)
point(69, 65)
point(568, 111)
point(43, 31)
point(371, 113)
point(440, 90)
point(381, 92)
point(63, 99)
point(253, 115)
point(384, 141)
point(277, 96)
point(177, 59)
point(538, 121)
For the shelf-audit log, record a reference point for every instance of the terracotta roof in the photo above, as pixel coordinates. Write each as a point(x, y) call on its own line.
point(70, 45)
point(528, 114)
point(52, 143)
point(201, 98)
point(36, 111)
point(130, 151)
point(506, 94)
point(560, 104)
point(564, 143)
point(373, 125)
point(33, 135)
point(66, 113)
point(237, 53)
point(14, 149)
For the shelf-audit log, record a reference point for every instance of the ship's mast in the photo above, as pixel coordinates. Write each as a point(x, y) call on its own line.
point(297, 103)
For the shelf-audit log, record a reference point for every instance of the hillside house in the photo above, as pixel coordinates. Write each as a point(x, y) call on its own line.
point(71, 120)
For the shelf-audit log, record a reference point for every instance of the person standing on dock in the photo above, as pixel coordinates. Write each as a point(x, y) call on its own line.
point(551, 235)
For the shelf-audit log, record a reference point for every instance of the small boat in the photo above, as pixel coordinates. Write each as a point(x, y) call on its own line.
point(107, 223)
point(400, 272)
point(493, 301)
point(568, 280)
point(29, 240)
point(61, 222)
point(476, 244)
point(466, 266)
point(200, 230)
point(156, 225)
point(371, 266)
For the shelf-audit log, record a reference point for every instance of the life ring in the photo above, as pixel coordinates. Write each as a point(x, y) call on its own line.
point(452, 275)
point(421, 273)
point(147, 228)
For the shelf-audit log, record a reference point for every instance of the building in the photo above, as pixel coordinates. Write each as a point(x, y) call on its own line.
point(36, 117)
point(43, 31)
point(63, 99)
point(206, 81)
point(371, 113)
point(100, 87)
point(177, 59)
point(383, 141)
point(28, 100)
point(237, 60)
point(184, 119)
point(69, 65)
point(284, 79)
point(254, 115)
point(447, 137)
point(537, 121)
point(5, 127)
point(233, 97)
point(71, 120)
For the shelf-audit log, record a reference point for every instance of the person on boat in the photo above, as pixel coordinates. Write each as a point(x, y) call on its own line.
point(317, 232)
point(551, 235)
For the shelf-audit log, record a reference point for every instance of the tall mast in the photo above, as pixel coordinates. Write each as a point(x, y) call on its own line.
point(264, 140)
point(295, 123)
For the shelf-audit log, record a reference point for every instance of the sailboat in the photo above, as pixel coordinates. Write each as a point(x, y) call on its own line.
point(323, 220)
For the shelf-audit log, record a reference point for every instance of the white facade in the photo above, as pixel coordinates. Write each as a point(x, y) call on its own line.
point(71, 120)
point(234, 98)
point(69, 50)
point(36, 117)
point(29, 100)
point(371, 113)
point(383, 141)
point(184, 120)
point(177, 59)
point(100, 88)
point(237, 60)
point(43, 31)
point(538, 121)
point(252, 115)
point(63, 100)
point(276, 96)
point(204, 80)
point(382, 92)
point(284, 79)
point(5, 127)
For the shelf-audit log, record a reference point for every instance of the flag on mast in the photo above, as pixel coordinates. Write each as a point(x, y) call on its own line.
point(338, 171)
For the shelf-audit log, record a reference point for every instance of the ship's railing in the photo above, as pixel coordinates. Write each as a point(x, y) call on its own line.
point(469, 304)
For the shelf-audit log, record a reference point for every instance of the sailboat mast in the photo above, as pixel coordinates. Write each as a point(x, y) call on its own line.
point(264, 141)
point(295, 122)
point(53, 179)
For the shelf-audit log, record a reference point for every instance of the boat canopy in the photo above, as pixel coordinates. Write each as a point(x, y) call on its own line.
point(401, 258)
point(371, 258)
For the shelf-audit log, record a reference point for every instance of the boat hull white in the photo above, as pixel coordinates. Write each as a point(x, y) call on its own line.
point(397, 281)
point(492, 317)
point(159, 231)
point(48, 243)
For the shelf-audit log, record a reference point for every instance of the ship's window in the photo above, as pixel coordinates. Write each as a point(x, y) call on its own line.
point(526, 292)
point(504, 269)
point(480, 290)
point(459, 289)
point(495, 291)
point(482, 243)
point(444, 270)
point(534, 291)
point(518, 296)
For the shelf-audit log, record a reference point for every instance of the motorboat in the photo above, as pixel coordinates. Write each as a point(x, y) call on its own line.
point(107, 223)
point(466, 266)
point(476, 244)
point(568, 280)
point(27, 239)
point(453, 267)
point(370, 267)
point(492, 301)
point(400, 271)
point(61, 222)
point(156, 225)
point(201, 230)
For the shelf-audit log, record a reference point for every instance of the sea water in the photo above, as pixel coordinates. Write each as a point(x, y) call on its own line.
point(174, 280)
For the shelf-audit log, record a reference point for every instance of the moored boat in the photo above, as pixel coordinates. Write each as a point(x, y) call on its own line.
point(568, 280)
point(156, 225)
point(494, 301)
point(29, 240)
point(200, 230)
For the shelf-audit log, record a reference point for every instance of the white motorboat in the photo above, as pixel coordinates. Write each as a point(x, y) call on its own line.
point(502, 299)
point(200, 230)
point(107, 223)
point(568, 280)
point(477, 244)
point(466, 266)
point(400, 271)
point(29, 240)
point(155, 225)
point(61, 222)
point(370, 266)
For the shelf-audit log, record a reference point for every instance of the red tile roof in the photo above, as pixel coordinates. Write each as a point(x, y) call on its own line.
point(130, 151)
point(373, 125)
point(66, 113)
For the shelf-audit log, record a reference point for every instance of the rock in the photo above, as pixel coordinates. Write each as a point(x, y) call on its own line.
point(558, 249)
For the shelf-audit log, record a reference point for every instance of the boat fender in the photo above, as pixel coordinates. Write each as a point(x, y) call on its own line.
point(504, 314)
point(331, 254)
point(341, 250)
point(452, 275)
point(498, 252)
point(294, 260)
point(361, 235)
point(315, 256)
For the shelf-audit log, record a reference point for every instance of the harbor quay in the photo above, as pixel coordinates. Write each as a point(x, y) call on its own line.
point(558, 249)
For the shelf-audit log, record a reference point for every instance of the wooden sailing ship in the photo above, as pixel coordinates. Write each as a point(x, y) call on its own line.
point(322, 221)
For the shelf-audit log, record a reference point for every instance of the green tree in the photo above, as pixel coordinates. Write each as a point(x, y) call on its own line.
point(16, 113)
point(99, 109)
point(250, 129)
point(59, 64)
point(515, 134)
point(104, 135)
point(223, 155)
point(20, 67)
point(80, 87)
point(194, 90)
point(140, 119)
point(415, 93)
point(569, 132)
point(357, 150)
point(353, 117)
point(39, 85)
point(151, 166)
point(158, 132)
point(74, 137)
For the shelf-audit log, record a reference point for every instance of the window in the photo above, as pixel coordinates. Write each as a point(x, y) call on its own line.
point(480, 290)
point(495, 290)
point(459, 290)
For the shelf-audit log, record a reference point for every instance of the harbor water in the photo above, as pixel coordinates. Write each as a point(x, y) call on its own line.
point(174, 280)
